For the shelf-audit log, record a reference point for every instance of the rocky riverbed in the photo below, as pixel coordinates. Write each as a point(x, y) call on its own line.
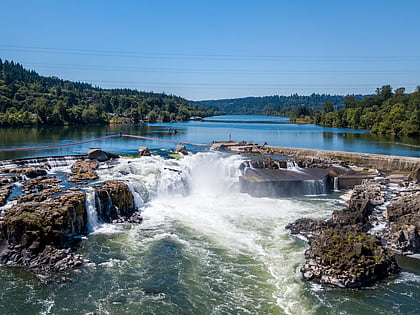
point(358, 245)
point(40, 225)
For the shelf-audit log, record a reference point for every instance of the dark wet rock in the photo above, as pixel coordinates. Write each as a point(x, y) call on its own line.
point(403, 214)
point(144, 151)
point(181, 149)
point(49, 259)
point(51, 222)
point(347, 260)
point(115, 200)
point(5, 191)
point(84, 170)
point(264, 162)
point(46, 185)
point(341, 253)
point(101, 156)
point(37, 234)
point(415, 176)
point(30, 172)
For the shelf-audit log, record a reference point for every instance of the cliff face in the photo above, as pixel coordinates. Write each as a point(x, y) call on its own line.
point(37, 235)
point(49, 222)
point(115, 200)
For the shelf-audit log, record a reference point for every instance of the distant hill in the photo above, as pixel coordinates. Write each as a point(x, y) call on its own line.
point(26, 98)
point(273, 105)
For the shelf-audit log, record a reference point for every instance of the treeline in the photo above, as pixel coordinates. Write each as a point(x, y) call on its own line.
point(273, 105)
point(388, 111)
point(27, 98)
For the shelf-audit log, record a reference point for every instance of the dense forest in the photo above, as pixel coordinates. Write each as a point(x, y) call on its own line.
point(274, 105)
point(388, 111)
point(27, 98)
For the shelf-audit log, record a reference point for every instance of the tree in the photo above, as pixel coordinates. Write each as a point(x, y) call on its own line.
point(328, 107)
point(350, 102)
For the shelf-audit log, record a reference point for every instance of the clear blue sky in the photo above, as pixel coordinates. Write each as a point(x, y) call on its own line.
point(218, 49)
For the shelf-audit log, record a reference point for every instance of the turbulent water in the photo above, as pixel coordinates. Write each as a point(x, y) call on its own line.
point(203, 248)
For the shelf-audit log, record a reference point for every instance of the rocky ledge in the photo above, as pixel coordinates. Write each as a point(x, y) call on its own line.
point(358, 244)
point(43, 223)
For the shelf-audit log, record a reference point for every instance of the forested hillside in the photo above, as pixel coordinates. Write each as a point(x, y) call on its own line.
point(27, 98)
point(274, 105)
point(388, 111)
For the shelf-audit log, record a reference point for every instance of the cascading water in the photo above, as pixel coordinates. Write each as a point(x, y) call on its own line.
point(227, 251)
point(93, 222)
point(203, 248)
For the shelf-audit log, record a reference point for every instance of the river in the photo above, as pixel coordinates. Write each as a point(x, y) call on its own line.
point(204, 247)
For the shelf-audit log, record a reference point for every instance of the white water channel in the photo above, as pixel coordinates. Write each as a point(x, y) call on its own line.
point(243, 260)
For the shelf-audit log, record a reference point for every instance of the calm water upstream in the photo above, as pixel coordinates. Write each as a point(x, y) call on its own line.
point(203, 248)
point(273, 130)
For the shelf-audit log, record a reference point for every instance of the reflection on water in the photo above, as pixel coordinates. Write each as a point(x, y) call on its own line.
point(275, 131)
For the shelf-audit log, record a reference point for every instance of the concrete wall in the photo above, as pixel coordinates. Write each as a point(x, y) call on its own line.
point(381, 162)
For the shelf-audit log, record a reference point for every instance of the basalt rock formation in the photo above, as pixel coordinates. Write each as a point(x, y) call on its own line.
point(34, 229)
point(403, 233)
point(43, 223)
point(115, 201)
point(84, 170)
point(345, 252)
point(347, 259)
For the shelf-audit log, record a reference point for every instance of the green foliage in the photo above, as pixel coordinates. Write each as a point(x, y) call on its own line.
point(27, 98)
point(385, 112)
point(276, 105)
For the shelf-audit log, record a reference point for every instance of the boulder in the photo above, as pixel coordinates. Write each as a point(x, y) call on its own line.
point(37, 234)
point(84, 170)
point(264, 162)
point(181, 149)
point(144, 151)
point(101, 156)
point(115, 200)
point(5, 191)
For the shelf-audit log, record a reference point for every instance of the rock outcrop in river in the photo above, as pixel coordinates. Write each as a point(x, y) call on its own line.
point(347, 250)
point(38, 231)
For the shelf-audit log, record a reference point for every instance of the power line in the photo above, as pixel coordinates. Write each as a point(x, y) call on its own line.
point(159, 55)
point(230, 71)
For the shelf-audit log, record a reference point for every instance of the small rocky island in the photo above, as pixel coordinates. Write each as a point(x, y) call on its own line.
point(45, 220)
point(379, 221)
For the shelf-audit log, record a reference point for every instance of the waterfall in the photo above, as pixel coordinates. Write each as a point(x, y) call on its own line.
point(315, 187)
point(336, 188)
point(49, 162)
point(292, 166)
point(93, 222)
